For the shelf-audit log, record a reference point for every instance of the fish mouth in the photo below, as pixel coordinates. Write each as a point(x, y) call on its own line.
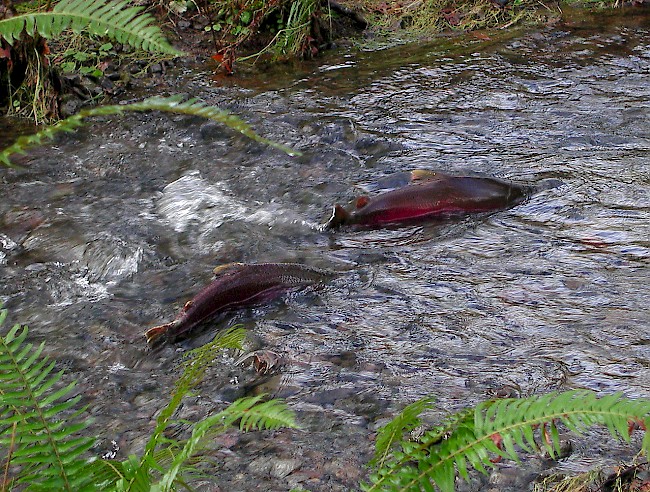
point(158, 334)
point(339, 217)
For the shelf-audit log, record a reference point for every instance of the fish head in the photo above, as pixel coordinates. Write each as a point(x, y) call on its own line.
point(339, 217)
point(361, 202)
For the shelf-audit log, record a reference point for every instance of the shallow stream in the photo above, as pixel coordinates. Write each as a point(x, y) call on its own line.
point(110, 230)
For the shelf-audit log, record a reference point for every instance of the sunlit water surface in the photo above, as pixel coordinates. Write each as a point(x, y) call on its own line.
point(111, 230)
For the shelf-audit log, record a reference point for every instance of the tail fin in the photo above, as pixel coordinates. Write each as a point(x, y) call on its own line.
point(155, 334)
point(339, 217)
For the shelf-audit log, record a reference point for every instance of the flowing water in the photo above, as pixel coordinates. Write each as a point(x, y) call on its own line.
point(112, 229)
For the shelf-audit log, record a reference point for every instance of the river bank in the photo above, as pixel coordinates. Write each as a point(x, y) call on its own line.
point(237, 38)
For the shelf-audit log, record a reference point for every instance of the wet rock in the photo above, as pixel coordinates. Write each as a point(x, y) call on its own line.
point(71, 105)
point(344, 469)
point(329, 397)
point(106, 83)
point(337, 132)
point(21, 221)
point(507, 478)
point(261, 466)
point(92, 87)
point(566, 449)
point(212, 131)
point(373, 146)
point(137, 67)
point(71, 80)
point(156, 68)
point(231, 393)
point(208, 486)
point(112, 71)
point(345, 359)
point(281, 467)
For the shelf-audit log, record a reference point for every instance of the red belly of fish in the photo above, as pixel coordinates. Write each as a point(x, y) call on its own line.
point(401, 214)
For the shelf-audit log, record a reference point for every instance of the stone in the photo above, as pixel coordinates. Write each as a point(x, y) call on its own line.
point(281, 467)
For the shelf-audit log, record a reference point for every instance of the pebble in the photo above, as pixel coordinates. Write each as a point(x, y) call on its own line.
point(106, 83)
point(200, 22)
point(212, 131)
point(261, 466)
point(281, 467)
point(71, 105)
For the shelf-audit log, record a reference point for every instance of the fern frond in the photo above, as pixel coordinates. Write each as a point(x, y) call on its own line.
point(36, 418)
point(137, 473)
point(114, 19)
point(272, 414)
point(172, 104)
point(249, 411)
point(407, 420)
point(194, 366)
point(470, 437)
point(198, 360)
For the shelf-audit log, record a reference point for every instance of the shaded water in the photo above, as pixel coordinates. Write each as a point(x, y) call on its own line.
point(113, 229)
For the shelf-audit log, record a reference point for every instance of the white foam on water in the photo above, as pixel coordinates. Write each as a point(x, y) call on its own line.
point(193, 200)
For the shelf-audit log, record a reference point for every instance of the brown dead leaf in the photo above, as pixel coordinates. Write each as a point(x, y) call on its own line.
point(481, 35)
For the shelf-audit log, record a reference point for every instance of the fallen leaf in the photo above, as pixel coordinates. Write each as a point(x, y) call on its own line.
point(481, 35)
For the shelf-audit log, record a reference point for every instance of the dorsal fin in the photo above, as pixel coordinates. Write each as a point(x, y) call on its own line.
point(225, 268)
point(424, 175)
point(362, 201)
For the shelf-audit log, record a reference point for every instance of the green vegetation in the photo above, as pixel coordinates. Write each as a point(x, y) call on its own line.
point(427, 18)
point(239, 29)
point(173, 104)
point(479, 436)
point(287, 28)
point(114, 19)
point(41, 422)
point(294, 36)
point(94, 57)
point(25, 69)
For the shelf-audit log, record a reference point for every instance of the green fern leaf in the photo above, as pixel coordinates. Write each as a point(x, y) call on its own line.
point(137, 472)
point(271, 414)
point(172, 104)
point(405, 421)
point(46, 446)
point(470, 438)
point(114, 19)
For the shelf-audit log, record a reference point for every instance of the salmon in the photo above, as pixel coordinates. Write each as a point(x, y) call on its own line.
point(430, 196)
point(237, 286)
